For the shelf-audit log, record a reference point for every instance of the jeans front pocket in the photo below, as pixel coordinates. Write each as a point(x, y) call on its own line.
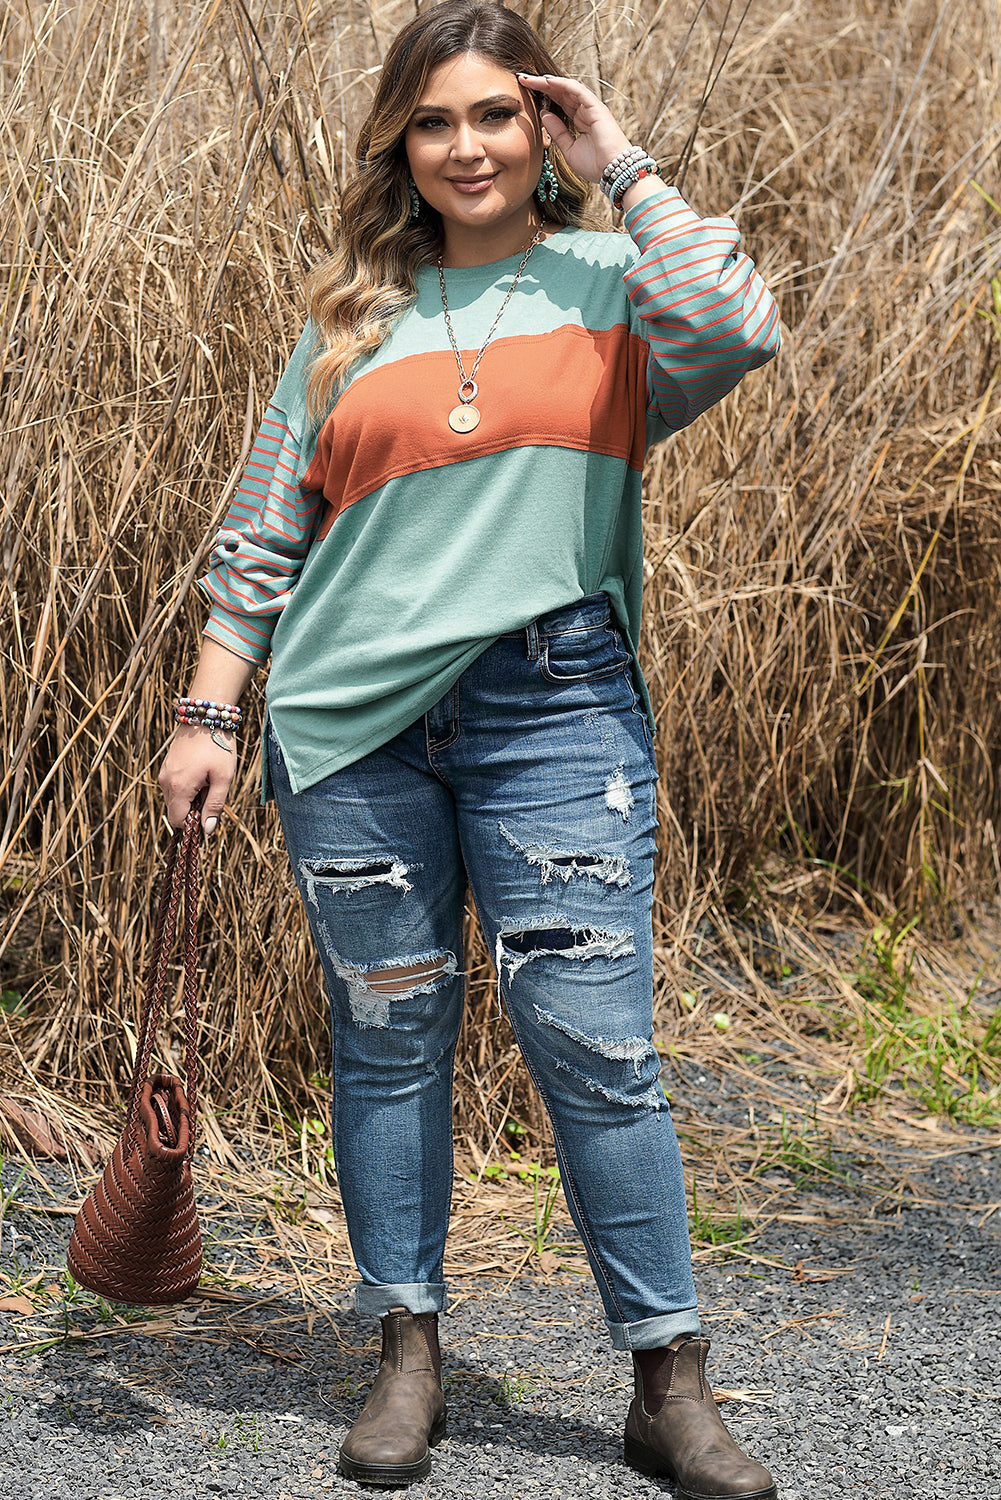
point(585, 654)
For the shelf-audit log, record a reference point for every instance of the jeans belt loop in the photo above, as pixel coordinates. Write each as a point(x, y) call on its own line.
point(532, 641)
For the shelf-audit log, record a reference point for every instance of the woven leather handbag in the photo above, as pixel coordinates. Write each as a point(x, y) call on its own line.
point(136, 1238)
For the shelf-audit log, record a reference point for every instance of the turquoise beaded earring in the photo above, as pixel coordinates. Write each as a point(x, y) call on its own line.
point(415, 198)
point(548, 187)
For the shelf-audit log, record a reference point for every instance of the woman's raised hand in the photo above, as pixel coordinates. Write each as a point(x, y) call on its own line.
point(596, 137)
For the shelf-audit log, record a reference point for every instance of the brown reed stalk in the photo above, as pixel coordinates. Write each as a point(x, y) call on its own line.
point(822, 641)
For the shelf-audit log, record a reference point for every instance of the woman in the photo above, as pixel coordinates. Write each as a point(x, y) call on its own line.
point(438, 541)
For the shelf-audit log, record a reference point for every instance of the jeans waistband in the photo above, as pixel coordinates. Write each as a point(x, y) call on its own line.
point(594, 610)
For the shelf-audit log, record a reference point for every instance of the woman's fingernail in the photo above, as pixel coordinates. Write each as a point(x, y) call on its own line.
point(211, 824)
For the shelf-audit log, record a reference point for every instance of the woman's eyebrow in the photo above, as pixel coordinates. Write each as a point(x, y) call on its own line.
point(445, 109)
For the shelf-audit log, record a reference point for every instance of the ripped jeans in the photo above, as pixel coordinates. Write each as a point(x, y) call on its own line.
point(533, 779)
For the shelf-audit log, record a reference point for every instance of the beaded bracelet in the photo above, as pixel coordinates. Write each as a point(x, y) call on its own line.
point(208, 708)
point(212, 724)
point(217, 715)
point(615, 166)
point(623, 156)
point(205, 713)
point(627, 177)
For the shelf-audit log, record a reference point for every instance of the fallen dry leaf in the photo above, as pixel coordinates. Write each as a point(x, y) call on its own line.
point(16, 1304)
point(325, 1219)
point(31, 1129)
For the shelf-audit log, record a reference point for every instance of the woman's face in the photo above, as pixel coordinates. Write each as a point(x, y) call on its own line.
point(475, 151)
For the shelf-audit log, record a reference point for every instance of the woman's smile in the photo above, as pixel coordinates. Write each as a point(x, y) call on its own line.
point(472, 184)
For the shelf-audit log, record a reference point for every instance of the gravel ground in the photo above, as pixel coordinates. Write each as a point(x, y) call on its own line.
point(865, 1338)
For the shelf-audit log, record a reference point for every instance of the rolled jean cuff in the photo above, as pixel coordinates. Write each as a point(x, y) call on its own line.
point(415, 1296)
point(654, 1333)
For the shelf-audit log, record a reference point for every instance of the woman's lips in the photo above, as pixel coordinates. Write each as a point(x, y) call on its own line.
point(471, 185)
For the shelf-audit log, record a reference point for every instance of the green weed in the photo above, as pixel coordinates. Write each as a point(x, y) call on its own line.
point(243, 1433)
point(545, 1190)
point(804, 1153)
point(946, 1058)
point(513, 1388)
point(883, 975)
point(291, 1209)
point(704, 1228)
point(311, 1133)
point(315, 1133)
point(316, 1150)
point(545, 1187)
point(544, 1203)
point(64, 1306)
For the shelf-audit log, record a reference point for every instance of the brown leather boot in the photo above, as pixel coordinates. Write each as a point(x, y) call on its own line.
point(674, 1428)
point(404, 1415)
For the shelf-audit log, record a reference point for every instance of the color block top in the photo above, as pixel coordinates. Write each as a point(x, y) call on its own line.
point(377, 553)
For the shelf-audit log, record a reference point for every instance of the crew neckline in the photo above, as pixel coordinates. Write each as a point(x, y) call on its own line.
point(496, 265)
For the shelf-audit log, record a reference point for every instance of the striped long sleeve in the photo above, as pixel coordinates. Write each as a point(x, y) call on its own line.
point(702, 307)
point(260, 549)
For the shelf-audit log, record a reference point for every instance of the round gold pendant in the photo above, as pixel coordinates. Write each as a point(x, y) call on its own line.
point(463, 418)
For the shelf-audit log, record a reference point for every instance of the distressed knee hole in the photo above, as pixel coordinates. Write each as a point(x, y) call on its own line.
point(545, 939)
point(518, 944)
point(611, 869)
point(397, 980)
point(372, 988)
point(637, 1052)
point(349, 875)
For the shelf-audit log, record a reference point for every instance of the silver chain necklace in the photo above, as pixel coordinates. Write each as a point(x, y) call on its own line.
point(465, 416)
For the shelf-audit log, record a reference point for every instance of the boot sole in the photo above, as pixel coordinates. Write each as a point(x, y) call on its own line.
point(392, 1475)
point(649, 1461)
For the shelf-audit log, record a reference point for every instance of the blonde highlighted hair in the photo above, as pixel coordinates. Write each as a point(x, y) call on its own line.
point(355, 297)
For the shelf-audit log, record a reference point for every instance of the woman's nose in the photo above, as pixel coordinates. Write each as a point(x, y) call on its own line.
point(466, 143)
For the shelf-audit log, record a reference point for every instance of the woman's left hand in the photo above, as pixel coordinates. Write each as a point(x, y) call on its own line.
point(596, 137)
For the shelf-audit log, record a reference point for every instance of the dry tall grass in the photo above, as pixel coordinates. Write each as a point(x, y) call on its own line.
point(824, 626)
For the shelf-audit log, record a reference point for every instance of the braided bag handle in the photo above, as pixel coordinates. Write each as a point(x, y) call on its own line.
point(180, 875)
point(136, 1237)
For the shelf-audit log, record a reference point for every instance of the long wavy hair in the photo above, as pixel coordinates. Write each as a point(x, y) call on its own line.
point(355, 296)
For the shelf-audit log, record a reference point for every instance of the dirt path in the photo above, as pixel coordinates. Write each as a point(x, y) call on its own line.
point(859, 1334)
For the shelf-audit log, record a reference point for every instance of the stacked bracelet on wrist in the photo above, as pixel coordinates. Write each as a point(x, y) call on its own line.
point(632, 171)
point(618, 164)
point(206, 714)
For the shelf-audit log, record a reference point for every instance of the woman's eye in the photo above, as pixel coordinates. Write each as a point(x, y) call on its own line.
point(492, 117)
